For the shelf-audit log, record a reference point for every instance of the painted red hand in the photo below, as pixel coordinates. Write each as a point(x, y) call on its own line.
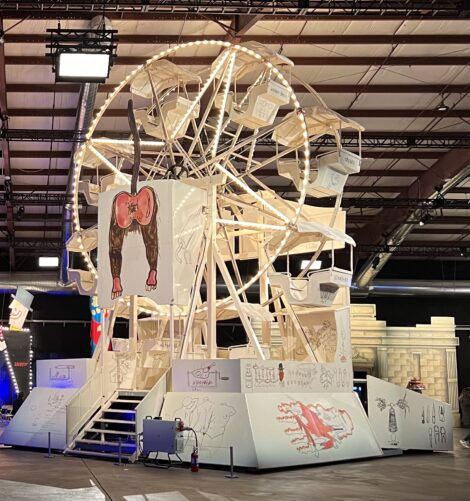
point(117, 288)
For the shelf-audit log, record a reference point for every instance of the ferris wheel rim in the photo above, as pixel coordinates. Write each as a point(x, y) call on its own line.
point(298, 111)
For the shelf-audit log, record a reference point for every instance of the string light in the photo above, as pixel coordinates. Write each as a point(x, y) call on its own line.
point(6, 355)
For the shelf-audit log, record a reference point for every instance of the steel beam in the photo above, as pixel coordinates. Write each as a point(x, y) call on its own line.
point(298, 61)
point(374, 113)
point(245, 22)
point(374, 139)
point(153, 9)
point(5, 147)
point(386, 154)
point(321, 88)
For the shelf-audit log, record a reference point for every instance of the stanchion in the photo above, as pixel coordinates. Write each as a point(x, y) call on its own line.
point(232, 475)
point(119, 463)
point(49, 450)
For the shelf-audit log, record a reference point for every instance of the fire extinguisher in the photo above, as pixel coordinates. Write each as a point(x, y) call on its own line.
point(194, 460)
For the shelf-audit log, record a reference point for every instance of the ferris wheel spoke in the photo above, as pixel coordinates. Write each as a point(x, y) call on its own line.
point(251, 192)
point(256, 227)
point(205, 87)
point(229, 151)
point(236, 204)
point(108, 164)
point(186, 158)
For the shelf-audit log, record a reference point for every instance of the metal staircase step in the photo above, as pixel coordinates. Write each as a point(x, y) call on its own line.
point(109, 432)
point(120, 411)
point(107, 443)
point(77, 452)
point(116, 421)
point(124, 401)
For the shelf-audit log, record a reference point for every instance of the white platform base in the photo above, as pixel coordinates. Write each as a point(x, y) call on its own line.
point(273, 430)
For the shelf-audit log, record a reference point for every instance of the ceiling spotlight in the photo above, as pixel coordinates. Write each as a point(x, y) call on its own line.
point(20, 212)
point(425, 218)
point(442, 107)
point(48, 261)
point(82, 55)
point(463, 252)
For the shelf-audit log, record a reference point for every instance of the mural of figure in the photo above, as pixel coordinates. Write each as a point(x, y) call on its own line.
point(133, 212)
point(392, 425)
point(401, 404)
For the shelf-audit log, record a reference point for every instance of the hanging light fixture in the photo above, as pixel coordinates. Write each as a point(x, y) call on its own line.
point(442, 106)
point(82, 55)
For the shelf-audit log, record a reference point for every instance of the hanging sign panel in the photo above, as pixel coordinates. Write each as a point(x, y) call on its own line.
point(149, 242)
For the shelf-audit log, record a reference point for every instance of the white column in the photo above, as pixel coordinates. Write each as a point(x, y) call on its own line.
point(211, 275)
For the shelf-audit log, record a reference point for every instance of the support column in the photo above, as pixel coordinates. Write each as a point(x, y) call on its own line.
point(382, 363)
point(211, 276)
point(133, 313)
point(452, 385)
point(263, 289)
point(172, 330)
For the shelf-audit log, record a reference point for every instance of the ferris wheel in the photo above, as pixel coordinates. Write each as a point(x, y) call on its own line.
point(220, 130)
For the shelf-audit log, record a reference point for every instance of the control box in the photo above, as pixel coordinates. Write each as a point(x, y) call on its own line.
point(162, 436)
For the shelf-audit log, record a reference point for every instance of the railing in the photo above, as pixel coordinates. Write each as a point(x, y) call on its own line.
point(151, 404)
point(87, 400)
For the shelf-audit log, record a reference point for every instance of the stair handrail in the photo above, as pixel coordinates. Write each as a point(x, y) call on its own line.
point(84, 404)
point(152, 403)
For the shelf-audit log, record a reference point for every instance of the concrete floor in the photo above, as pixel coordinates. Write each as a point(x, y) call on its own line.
point(28, 476)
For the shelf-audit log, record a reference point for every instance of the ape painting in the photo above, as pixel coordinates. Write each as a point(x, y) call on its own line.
point(133, 212)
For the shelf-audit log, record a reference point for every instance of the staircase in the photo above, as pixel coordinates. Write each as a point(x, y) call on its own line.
point(115, 421)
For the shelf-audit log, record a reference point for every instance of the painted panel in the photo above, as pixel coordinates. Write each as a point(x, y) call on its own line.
point(220, 421)
point(163, 234)
point(220, 376)
point(120, 369)
point(308, 428)
point(43, 411)
point(275, 376)
point(63, 373)
point(404, 419)
point(329, 335)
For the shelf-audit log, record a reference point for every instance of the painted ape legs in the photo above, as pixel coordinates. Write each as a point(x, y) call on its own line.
point(127, 217)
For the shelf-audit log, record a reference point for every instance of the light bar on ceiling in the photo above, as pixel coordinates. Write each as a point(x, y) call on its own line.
point(82, 55)
point(48, 262)
point(82, 66)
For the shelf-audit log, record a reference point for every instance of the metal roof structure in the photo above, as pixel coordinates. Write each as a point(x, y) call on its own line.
point(387, 64)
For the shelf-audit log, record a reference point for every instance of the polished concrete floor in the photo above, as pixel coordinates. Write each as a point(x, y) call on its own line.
point(30, 476)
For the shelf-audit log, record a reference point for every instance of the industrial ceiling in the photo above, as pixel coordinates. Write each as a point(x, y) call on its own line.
point(388, 65)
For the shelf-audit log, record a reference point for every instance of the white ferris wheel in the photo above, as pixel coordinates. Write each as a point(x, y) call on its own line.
point(221, 129)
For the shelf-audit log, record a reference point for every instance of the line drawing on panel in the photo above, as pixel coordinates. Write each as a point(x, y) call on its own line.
point(203, 377)
point(400, 404)
point(442, 416)
point(187, 239)
point(326, 377)
point(61, 372)
point(208, 419)
point(314, 427)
